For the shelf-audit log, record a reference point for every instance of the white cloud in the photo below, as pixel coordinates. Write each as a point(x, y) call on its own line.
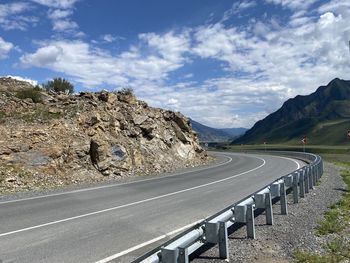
point(293, 4)
point(93, 66)
point(12, 16)
point(65, 25)
point(59, 13)
point(237, 8)
point(170, 46)
point(265, 63)
point(338, 6)
point(108, 38)
point(5, 48)
point(226, 44)
point(30, 81)
point(61, 21)
point(278, 63)
point(60, 4)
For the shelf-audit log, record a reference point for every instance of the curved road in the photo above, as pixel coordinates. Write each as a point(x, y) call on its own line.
point(122, 221)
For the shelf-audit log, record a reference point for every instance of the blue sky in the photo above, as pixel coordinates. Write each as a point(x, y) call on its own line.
point(223, 63)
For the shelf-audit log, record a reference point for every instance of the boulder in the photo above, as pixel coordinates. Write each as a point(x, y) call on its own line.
point(182, 122)
point(139, 119)
point(181, 135)
point(107, 97)
point(119, 152)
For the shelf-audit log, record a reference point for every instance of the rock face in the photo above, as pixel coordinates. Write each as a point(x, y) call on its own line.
point(87, 137)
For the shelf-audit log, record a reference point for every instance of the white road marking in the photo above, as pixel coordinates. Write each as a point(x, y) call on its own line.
point(127, 251)
point(133, 203)
point(120, 254)
point(114, 185)
point(290, 159)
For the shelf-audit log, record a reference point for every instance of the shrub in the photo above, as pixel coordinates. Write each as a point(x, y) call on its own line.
point(30, 93)
point(127, 91)
point(59, 85)
point(2, 116)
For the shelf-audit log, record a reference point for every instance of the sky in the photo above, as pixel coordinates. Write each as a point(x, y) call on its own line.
point(223, 63)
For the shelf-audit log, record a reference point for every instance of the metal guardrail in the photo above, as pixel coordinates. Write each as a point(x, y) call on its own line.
point(213, 230)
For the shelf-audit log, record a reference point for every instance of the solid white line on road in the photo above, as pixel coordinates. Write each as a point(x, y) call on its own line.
point(120, 254)
point(114, 185)
point(133, 203)
point(290, 159)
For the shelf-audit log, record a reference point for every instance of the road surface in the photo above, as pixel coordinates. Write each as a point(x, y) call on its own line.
point(122, 221)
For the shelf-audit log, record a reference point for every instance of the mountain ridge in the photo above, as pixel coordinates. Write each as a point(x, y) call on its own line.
point(304, 115)
point(210, 134)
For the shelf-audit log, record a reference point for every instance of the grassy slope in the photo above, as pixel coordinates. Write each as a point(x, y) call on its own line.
point(328, 108)
point(327, 132)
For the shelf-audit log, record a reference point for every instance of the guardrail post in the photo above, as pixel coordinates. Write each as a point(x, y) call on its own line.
point(250, 221)
point(295, 188)
point(183, 255)
point(268, 209)
point(283, 200)
point(306, 179)
point(320, 169)
point(302, 183)
point(223, 240)
point(211, 232)
point(313, 176)
point(169, 256)
point(311, 185)
point(317, 171)
point(215, 230)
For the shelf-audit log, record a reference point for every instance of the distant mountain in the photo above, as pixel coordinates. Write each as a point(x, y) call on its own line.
point(209, 134)
point(323, 116)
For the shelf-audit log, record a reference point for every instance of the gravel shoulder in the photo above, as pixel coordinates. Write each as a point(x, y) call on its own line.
point(289, 233)
point(214, 159)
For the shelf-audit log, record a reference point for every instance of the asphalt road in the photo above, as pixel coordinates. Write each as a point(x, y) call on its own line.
point(124, 220)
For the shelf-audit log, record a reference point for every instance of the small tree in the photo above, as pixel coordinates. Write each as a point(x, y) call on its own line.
point(127, 91)
point(30, 93)
point(59, 85)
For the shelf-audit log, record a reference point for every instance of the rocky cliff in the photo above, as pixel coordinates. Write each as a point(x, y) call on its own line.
point(63, 139)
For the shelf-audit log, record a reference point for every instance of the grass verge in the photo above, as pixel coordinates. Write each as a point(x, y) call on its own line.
point(335, 221)
point(338, 250)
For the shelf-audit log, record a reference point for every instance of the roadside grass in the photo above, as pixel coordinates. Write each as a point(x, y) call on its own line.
point(335, 221)
point(338, 250)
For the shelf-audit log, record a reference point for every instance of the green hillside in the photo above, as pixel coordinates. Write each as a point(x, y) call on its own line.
point(323, 117)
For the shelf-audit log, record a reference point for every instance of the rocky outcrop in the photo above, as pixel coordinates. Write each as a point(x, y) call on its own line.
point(88, 137)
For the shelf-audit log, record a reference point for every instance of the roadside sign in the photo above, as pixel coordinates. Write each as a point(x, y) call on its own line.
point(304, 141)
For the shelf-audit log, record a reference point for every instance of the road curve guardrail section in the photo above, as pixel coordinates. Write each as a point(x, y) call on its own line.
point(213, 230)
